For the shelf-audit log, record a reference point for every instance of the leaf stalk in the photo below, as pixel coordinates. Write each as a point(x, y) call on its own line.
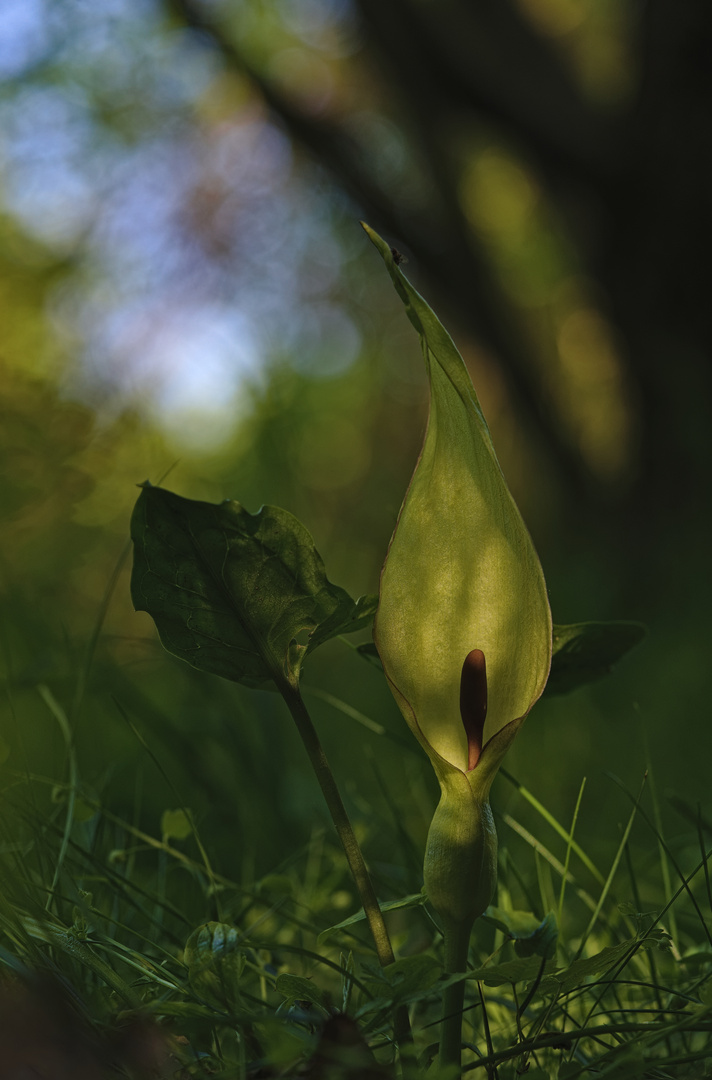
point(340, 818)
point(345, 832)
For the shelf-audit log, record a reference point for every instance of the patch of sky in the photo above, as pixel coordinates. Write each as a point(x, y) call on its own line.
point(253, 153)
point(197, 363)
point(195, 213)
point(136, 238)
point(59, 152)
point(202, 251)
point(122, 52)
point(179, 330)
point(48, 134)
point(24, 39)
point(99, 41)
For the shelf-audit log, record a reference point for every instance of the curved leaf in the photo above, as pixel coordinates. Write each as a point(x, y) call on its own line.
point(232, 592)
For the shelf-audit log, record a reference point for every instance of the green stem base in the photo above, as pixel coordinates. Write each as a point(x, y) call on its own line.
point(457, 942)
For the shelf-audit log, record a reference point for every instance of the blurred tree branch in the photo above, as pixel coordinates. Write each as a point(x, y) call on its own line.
point(630, 184)
point(443, 245)
point(487, 60)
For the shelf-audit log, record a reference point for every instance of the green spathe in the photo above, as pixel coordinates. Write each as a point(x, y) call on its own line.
point(461, 572)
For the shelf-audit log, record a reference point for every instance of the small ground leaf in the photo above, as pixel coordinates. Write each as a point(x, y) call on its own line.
point(175, 824)
point(572, 976)
point(414, 900)
point(525, 969)
point(215, 963)
point(297, 988)
point(407, 979)
point(515, 924)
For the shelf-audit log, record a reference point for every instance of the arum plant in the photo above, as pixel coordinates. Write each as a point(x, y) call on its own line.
point(464, 633)
point(463, 630)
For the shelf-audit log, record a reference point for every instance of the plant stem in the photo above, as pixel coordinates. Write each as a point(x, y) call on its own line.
point(372, 910)
point(343, 826)
point(457, 941)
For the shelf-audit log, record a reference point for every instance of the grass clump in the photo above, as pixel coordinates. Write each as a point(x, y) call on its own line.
point(129, 953)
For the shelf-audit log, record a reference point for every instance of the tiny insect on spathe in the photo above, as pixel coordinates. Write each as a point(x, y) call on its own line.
point(398, 257)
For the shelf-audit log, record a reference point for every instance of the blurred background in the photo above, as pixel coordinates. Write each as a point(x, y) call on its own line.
point(184, 286)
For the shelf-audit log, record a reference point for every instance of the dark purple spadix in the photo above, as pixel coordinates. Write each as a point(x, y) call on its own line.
point(473, 703)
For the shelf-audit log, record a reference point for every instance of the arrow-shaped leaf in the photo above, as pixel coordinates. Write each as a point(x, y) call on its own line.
point(234, 593)
point(584, 652)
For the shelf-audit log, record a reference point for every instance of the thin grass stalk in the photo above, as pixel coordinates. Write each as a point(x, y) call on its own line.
point(555, 825)
point(214, 892)
point(553, 1040)
point(673, 860)
point(491, 1072)
point(664, 862)
point(569, 849)
point(638, 903)
point(612, 871)
point(61, 717)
